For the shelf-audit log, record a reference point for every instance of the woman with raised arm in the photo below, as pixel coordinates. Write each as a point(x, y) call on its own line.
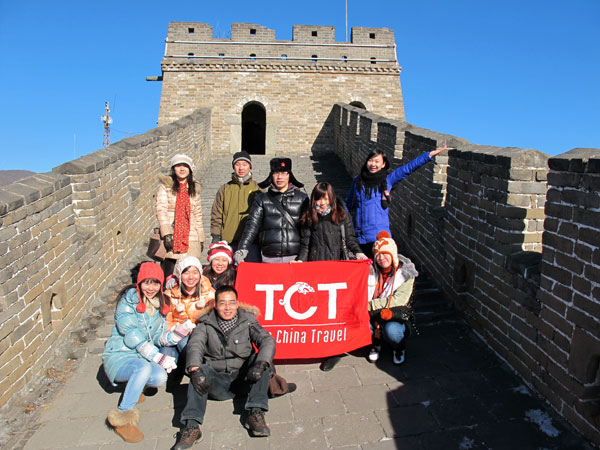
point(369, 196)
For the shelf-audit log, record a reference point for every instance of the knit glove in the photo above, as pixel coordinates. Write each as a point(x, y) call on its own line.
point(199, 304)
point(239, 256)
point(199, 381)
point(168, 241)
point(182, 330)
point(147, 350)
point(215, 238)
point(361, 256)
point(256, 371)
point(165, 361)
point(171, 282)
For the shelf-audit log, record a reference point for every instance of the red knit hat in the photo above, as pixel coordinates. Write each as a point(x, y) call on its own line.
point(220, 248)
point(150, 271)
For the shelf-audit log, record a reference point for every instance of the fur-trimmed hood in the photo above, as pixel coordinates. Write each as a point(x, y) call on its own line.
point(252, 309)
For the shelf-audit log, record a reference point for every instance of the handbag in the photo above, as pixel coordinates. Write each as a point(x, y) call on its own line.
point(156, 246)
point(346, 252)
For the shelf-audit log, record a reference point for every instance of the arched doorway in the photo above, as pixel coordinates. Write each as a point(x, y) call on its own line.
point(358, 105)
point(254, 120)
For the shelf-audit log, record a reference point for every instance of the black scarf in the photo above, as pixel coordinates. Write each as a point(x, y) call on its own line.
point(227, 325)
point(374, 183)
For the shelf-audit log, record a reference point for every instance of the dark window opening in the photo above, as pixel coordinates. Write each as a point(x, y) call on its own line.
point(191, 56)
point(284, 56)
point(345, 58)
point(314, 58)
point(222, 55)
point(254, 124)
point(314, 33)
point(252, 30)
point(373, 60)
point(253, 56)
point(361, 106)
point(191, 31)
point(371, 35)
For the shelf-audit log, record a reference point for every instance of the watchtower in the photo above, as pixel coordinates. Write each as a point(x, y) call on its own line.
point(272, 96)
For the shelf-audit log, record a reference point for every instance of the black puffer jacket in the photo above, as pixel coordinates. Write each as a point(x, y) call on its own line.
point(276, 235)
point(323, 242)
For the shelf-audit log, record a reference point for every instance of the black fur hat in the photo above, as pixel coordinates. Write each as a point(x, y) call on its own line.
point(280, 165)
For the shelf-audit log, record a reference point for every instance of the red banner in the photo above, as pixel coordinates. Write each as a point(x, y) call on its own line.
point(312, 309)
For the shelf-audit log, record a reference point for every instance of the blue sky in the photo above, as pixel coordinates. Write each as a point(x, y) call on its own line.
point(506, 73)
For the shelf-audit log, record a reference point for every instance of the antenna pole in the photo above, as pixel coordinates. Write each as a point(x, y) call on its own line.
point(346, 20)
point(107, 120)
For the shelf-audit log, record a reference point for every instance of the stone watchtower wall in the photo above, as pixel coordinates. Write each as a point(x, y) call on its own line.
point(512, 237)
point(66, 234)
point(294, 82)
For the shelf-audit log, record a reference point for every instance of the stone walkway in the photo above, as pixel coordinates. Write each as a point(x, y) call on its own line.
point(451, 393)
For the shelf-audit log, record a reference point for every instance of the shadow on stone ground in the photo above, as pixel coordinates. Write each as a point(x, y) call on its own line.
point(451, 393)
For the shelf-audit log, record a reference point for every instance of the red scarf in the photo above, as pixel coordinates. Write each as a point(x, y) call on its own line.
point(382, 281)
point(181, 228)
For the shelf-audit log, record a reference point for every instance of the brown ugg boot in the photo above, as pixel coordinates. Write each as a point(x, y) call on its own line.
point(124, 424)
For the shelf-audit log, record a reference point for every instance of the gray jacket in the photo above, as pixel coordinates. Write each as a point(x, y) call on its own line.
point(209, 345)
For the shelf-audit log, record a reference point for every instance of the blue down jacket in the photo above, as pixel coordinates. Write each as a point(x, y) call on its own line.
point(130, 331)
point(368, 216)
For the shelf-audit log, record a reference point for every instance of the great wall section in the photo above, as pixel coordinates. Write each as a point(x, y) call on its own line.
point(510, 235)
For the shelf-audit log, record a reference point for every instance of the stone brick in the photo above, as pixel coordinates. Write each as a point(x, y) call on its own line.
point(558, 242)
point(590, 235)
point(564, 179)
point(559, 211)
point(583, 320)
point(570, 263)
point(555, 320)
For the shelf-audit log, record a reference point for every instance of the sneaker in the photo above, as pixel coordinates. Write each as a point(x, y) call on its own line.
point(255, 422)
point(374, 353)
point(188, 437)
point(399, 357)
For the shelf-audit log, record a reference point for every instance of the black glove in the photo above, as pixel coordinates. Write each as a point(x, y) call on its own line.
point(168, 240)
point(215, 238)
point(199, 381)
point(256, 371)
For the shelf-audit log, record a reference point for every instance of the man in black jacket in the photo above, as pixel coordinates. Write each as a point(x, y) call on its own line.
point(274, 216)
point(221, 362)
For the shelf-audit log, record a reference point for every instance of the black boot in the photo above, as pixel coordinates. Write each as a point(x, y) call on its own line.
point(330, 363)
point(255, 422)
point(188, 437)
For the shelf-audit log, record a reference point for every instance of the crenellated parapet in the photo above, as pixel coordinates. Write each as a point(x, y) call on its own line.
point(512, 236)
point(278, 90)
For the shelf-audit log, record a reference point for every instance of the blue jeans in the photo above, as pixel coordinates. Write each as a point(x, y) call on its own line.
point(224, 386)
point(393, 333)
point(138, 374)
point(176, 350)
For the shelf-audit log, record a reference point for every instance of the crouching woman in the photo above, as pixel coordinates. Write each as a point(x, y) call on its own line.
point(391, 283)
point(131, 355)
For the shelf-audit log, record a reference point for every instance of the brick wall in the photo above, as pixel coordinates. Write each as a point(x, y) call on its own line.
point(65, 234)
point(512, 237)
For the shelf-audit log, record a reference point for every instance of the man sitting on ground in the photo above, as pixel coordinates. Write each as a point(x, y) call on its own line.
point(222, 362)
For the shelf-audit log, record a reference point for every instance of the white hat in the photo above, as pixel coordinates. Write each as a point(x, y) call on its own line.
point(184, 263)
point(182, 159)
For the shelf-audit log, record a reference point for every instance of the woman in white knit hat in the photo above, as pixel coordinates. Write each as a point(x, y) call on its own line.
point(179, 212)
point(391, 283)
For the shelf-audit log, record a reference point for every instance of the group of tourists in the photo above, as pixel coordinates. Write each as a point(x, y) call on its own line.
point(181, 317)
